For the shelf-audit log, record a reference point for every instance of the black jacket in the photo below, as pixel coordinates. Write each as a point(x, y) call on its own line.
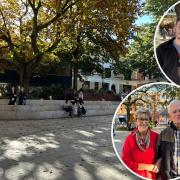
point(22, 98)
point(12, 99)
point(168, 59)
point(166, 147)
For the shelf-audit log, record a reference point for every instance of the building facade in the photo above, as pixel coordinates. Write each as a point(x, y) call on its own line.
point(115, 83)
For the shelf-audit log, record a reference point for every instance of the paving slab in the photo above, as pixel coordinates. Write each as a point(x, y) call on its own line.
point(59, 149)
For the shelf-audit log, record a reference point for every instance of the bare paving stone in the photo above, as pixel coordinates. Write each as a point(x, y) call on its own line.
point(55, 149)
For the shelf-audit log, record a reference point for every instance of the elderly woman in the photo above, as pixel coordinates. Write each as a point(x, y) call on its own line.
point(139, 149)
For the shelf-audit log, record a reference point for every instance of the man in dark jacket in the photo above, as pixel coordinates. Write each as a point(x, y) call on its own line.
point(22, 97)
point(168, 55)
point(169, 144)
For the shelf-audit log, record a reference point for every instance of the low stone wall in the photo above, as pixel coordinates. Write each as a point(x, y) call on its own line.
point(50, 109)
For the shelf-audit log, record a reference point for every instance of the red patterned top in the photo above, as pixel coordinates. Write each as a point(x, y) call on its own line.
point(132, 155)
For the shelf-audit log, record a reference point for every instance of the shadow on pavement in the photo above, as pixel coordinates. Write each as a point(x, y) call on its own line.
point(67, 149)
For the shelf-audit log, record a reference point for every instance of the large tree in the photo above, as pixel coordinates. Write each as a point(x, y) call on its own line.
point(140, 55)
point(124, 66)
point(33, 31)
point(142, 50)
point(146, 95)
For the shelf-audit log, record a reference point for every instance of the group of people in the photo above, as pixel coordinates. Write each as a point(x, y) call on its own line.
point(13, 96)
point(153, 155)
point(74, 103)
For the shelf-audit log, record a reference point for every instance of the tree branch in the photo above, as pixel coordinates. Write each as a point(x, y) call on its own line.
point(134, 101)
point(55, 18)
point(5, 33)
point(4, 36)
point(34, 34)
point(35, 26)
point(31, 4)
point(39, 5)
point(5, 64)
point(23, 15)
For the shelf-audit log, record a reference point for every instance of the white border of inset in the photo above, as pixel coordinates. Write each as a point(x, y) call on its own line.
point(157, 27)
point(112, 138)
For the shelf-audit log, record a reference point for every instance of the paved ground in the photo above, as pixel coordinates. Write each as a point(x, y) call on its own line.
point(67, 149)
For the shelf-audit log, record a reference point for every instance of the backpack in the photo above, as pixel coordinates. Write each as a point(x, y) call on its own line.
point(83, 110)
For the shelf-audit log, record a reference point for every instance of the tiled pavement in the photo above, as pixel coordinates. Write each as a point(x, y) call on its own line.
point(67, 149)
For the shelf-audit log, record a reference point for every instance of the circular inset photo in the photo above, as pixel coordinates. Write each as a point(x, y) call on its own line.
point(146, 131)
point(167, 44)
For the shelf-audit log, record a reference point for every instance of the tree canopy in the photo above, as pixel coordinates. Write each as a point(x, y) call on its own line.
point(34, 31)
point(156, 94)
point(157, 8)
point(140, 55)
point(142, 50)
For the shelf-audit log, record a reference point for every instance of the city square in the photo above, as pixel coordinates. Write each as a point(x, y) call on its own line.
point(65, 66)
point(67, 148)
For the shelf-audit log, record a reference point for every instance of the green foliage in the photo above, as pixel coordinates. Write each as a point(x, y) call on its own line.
point(124, 66)
point(172, 93)
point(140, 55)
point(101, 94)
point(37, 32)
point(150, 123)
point(141, 52)
point(146, 96)
point(56, 91)
point(103, 91)
point(3, 92)
point(157, 8)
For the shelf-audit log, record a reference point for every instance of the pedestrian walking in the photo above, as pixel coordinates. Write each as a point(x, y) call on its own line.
point(81, 97)
point(22, 97)
point(13, 96)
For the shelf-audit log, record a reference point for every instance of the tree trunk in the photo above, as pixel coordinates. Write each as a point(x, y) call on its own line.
point(128, 113)
point(76, 55)
point(75, 75)
point(128, 74)
point(128, 109)
point(24, 80)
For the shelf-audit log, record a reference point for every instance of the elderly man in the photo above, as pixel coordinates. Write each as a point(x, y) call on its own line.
point(168, 55)
point(169, 144)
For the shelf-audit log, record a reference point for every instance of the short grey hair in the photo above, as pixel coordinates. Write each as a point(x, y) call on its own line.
point(171, 103)
point(143, 111)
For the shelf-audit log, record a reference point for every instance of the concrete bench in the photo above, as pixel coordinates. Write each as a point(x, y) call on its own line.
point(50, 109)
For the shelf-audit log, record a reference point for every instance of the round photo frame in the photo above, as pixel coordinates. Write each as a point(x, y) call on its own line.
point(121, 141)
point(173, 77)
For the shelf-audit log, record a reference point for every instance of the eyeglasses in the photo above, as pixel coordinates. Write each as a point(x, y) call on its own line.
point(143, 119)
point(175, 111)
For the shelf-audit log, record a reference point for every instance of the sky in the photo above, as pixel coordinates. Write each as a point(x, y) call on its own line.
point(143, 20)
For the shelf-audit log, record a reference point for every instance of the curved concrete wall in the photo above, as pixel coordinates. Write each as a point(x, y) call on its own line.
point(48, 109)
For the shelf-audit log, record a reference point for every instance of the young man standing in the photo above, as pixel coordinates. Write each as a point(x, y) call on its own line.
point(168, 55)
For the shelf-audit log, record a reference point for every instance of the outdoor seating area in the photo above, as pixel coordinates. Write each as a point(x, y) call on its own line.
point(51, 109)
